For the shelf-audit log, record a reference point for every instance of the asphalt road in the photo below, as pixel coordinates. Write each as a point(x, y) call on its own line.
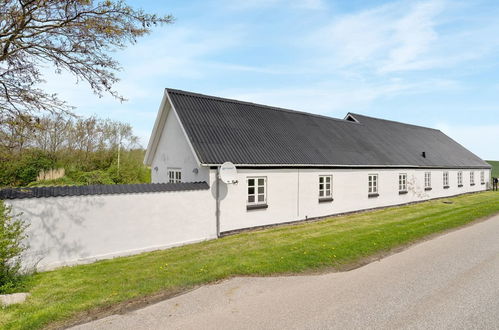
point(450, 282)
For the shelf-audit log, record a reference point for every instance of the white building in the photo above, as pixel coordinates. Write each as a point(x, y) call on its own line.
point(295, 166)
point(291, 166)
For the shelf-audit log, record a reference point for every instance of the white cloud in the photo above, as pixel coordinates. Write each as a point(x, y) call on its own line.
point(403, 36)
point(413, 35)
point(258, 4)
point(336, 98)
point(310, 4)
point(179, 51)
point(175, 53)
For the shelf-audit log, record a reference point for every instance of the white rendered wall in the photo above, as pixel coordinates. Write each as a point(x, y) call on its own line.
point(292, 194)
point(80, 229)
point(174, 152)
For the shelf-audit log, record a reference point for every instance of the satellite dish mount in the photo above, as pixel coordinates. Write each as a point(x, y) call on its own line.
point(228, 173)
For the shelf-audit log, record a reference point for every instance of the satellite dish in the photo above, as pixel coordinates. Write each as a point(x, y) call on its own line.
point(228, 173)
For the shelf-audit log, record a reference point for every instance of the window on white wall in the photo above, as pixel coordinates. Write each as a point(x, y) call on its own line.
point(325, 187)
point(482, 177)
point(472, 178)
point(257, 191)
point(427, 180)
point(174, 176)
point(402, 183)
point(446, 179)
point(460, 179)
point(373, 185)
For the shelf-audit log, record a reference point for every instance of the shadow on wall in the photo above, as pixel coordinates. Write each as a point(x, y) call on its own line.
point(48, 218)
point(223, 190)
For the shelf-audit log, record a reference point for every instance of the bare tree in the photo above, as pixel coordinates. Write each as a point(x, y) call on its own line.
point(76, 36)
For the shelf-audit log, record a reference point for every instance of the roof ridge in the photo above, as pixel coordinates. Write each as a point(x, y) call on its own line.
point(390, 121)
point(224, 99)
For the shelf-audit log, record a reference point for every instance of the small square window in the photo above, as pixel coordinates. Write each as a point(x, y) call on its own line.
point(257, 191)
point(446, 179)
point(372, 183)
point(427, 180)
point(174, 176)
point(402, 182)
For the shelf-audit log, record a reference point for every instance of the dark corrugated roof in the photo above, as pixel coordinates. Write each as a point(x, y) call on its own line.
point(251, 134)
point(109, 189)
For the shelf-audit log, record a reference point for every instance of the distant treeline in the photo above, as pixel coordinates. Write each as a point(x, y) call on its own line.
point(91, 150)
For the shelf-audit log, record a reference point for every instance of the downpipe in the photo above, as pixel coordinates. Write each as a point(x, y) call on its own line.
point(217, 194)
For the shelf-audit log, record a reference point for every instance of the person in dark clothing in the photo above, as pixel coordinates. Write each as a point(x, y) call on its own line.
point(495, 183)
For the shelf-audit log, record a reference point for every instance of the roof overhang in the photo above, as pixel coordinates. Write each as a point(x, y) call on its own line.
point(349, 166)
point(159, 126)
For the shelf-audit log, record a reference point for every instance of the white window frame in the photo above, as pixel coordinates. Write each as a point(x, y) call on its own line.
point(427, 179)
point(372, 184)
point(324, 191)
point(446, 179)
point(472, 178)
point(482, 177)
point(256, 191)
point(402, 182)
point(460, 178)
point(174, 175)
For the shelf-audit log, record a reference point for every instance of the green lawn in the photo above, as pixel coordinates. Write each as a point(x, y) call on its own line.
point(332, 244)
point(495, 167)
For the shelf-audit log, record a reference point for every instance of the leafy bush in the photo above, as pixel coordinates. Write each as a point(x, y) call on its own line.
point(12, 235)
point(129, 172)
point(24, 168)
point(92, 177)
point(8, 173)
point(31, 164)
point(101, 167)
point(64, 181)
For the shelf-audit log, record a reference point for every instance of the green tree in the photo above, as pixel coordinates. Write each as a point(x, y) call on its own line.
point(76, 36)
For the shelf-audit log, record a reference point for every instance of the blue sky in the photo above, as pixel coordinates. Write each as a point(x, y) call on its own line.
point(433, 63)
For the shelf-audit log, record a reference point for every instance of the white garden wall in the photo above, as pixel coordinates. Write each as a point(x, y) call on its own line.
point(80, 229)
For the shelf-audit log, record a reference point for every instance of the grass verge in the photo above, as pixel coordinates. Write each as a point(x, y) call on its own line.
point(68, 294)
